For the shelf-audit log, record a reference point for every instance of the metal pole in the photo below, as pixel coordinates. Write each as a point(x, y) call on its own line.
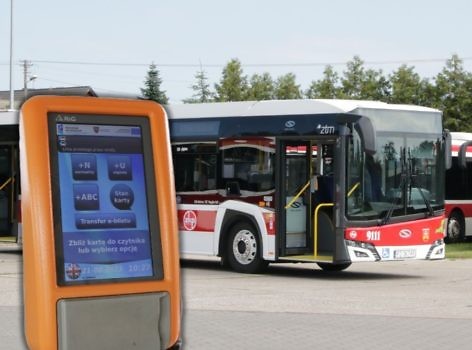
point(25, 78)
point(12, 91)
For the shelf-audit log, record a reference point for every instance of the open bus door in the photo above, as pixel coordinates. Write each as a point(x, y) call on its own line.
point(306, 200)
point(9, 191)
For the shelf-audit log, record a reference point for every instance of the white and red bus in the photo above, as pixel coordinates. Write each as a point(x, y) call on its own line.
point(325, 181)
point(459, 188)
point(10, 213)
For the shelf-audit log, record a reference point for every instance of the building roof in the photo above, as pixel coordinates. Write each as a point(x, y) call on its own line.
point(19, 95)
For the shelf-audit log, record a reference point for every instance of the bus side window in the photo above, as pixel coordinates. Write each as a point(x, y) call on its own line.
point(249, 164)
point(195, 167)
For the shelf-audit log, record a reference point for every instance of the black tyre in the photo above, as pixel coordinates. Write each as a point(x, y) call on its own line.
point(333, 267)
point(243, 250)
point(455, 228)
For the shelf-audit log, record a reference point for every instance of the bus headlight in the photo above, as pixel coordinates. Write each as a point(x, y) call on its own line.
point(362, 249)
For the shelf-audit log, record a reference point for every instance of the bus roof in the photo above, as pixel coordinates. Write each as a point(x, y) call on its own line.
point(8, 117)
point(282, 107)
point(461, 137)
point(458, 138)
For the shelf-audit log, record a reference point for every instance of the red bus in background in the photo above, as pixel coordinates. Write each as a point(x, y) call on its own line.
point(459, 188)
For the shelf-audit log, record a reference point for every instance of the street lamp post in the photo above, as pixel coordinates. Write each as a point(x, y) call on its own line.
point(12, 91)
point(27, 80)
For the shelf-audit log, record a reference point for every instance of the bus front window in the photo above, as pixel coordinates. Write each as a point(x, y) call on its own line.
point(401, 178)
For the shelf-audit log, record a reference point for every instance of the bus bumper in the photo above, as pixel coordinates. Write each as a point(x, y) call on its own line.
point(361, 251)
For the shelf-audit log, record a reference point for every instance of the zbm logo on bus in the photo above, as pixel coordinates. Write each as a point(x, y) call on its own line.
point(326, 129)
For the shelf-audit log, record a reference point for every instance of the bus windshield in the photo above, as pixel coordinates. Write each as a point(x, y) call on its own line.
point(402, 177)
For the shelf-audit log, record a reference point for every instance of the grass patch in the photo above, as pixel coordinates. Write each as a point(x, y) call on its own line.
point(459, 250)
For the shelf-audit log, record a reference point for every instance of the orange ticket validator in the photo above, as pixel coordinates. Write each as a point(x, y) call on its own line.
point(100, 245)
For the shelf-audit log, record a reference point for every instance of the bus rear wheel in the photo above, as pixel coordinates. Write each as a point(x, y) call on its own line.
point(455, 228)
point(243, 250)
point(333, 267)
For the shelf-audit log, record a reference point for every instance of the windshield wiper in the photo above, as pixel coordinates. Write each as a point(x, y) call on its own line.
point(403, 175)
point(389, 213)
point(412, 177)
point(426, 201)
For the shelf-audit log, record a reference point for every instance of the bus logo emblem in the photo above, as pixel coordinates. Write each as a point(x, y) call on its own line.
point(405, 233)
point(190, 220)
point(289, 124)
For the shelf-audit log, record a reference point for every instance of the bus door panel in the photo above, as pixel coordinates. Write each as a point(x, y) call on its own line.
point(306, 198)
point(8, 189)
point(294, 197)
point(324, 201)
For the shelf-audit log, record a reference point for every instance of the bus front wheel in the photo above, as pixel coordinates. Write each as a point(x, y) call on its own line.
point(243, 251)
point(455, 227)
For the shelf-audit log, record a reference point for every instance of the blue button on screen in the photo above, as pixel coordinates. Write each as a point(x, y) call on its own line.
point(86, 197)
point(119, 168)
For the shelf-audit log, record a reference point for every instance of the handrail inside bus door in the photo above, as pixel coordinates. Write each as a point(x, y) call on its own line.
point(351, 191)
point(298, 195)
point(315, 226)
point(3, 185)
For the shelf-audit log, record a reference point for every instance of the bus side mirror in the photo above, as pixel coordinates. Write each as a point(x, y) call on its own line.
point(447, 149)
point(368, 136)
point(463, 154)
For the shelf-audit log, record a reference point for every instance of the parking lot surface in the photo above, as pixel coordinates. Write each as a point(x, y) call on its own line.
point(402, 305)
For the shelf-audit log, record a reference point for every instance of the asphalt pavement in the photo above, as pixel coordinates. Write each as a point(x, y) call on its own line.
point(398, 305)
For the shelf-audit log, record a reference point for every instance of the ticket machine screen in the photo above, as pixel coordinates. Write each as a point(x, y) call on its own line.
point(103, 181)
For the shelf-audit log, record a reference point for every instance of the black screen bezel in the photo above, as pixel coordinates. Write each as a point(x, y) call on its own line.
point(55, 118)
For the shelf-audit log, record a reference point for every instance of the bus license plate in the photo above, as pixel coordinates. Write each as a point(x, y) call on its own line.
point(404, 253)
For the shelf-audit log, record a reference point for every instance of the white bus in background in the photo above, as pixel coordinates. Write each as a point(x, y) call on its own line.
point(459, 188)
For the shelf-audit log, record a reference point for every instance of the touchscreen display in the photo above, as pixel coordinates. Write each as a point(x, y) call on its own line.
point(104, 232)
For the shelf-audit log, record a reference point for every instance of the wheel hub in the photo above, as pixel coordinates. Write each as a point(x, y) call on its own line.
point(244, 247)
point(454, 229)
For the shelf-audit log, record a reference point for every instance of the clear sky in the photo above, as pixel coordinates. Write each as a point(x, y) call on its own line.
point(275, 36)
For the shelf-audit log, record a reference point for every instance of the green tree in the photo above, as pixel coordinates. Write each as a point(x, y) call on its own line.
point(454, 95)
point(286, 87)
point(353, 77)
point(261, 88)
point(327, 87)
point(407, 86)
point(152, 83)
point(361, 84)
point(201, 88)
point(233, 85)
point(374, 86)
